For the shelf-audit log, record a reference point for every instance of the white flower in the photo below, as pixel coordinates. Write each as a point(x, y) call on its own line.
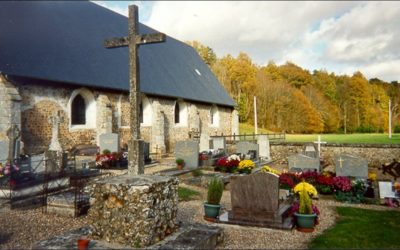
point(234, 157)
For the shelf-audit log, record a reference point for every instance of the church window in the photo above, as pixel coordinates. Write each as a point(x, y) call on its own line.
point(180, 114)
point(214, 116)
point(176, 113)
point(78, 112)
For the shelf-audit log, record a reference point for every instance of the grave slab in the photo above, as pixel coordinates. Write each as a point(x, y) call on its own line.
point(303, 163)
point(351, 166)
point(189, 152)
point(109, 141)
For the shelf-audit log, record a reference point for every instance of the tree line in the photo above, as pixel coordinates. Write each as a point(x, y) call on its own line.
point(292, 99)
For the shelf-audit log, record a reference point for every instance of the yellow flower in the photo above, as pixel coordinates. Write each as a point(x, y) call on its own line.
point(267, 169)
point(307, 186)
point(246, 164)
point(372, 176)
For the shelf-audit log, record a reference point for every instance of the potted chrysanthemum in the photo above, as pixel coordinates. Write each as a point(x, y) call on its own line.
point(246, 166)
point(304, 211)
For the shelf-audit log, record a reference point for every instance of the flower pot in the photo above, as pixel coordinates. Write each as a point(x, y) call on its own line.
point(211, 211)
point(179, 166)
point(83, 244)
point(305, 220)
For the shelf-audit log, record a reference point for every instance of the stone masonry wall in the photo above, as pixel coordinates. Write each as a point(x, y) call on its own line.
point(136, 211)
point(375, 154)
point(40, 101)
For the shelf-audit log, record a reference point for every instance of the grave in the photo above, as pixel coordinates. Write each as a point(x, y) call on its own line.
point(255, 202)
point(65, 203)
point(310, 150)
point(204, 142)
point(263, 145)
point(351, 166)
point(55, 121)
point(109, 141)
point(218, 143)
point(189, 151)
point(249, 149)
point(386, 190)
point(303, 163)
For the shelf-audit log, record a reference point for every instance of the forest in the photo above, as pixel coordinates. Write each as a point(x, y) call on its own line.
point(293, 100)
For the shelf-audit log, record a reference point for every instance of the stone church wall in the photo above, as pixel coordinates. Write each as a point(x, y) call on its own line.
point(40, 101)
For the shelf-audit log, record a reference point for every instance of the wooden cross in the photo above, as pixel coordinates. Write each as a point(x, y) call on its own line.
point(133, 40)
point(13, 134)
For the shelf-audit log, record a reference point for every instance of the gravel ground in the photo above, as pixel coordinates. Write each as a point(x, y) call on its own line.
point(20, 229)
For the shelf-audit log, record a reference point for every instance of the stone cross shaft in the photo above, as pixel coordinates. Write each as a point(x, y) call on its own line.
point(319, 142)
point(133, 40)
point(55, 121)
point(13, 134)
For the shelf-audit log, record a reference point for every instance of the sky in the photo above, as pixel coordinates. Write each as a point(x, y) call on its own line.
point(337, 36)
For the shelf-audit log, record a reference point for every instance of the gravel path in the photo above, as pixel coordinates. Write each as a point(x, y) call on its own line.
point(20, 229)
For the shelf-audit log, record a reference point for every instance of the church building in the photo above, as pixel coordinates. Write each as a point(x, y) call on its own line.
point(53, 61)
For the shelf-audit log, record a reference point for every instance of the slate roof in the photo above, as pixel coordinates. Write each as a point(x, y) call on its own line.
point(63, 42)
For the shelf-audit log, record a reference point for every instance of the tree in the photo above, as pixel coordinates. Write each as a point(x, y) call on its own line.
point(206, 53)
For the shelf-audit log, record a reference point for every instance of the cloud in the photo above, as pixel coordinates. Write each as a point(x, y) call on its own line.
point(339, 36)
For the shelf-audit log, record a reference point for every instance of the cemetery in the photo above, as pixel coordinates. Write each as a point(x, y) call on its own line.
point(240, 193)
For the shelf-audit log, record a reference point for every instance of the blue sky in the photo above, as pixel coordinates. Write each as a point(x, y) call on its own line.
point(339, 36)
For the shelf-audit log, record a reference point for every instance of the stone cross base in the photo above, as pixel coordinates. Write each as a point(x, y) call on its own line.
point(134, 210)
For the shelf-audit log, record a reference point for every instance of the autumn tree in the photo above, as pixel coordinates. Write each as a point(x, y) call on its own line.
point(206, 53)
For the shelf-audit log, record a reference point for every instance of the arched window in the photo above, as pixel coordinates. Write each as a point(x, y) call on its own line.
point(78, 111)
point(146, 111)
point(141, 113)
point(214, 116)
point(180, 113)
point(176, 112)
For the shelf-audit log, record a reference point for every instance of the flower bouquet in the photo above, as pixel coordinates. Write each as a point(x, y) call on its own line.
point(246, 166)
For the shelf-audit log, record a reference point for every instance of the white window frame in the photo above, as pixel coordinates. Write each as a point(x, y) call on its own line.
point(90, 109)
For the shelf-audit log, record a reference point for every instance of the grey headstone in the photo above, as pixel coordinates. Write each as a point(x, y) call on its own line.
point(4, 144)
point(303, 162)
point(204, 142)
point(189, 152)
point(109, 141)
point(254, 197)
point(218, 143)
point(351, 166)
point(310, 150)
point(263, 144)
point(245, 147)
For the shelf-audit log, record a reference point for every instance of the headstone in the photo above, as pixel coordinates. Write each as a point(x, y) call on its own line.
point(204, 141)
point(55, 121)
point(13, 134)
point(109, 141)
point(246, 147)
point(218, 143)
point(255, 201)
point(263, 145)
point(303, 162)
point(386, 190)
point(189, 152)
point(351, 166)
point(310, 150)
point(4, 144)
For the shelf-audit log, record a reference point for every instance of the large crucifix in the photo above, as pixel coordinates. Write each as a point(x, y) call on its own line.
point(133, 40)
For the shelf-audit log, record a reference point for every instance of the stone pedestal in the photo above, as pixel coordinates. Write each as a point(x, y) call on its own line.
point(134, 210)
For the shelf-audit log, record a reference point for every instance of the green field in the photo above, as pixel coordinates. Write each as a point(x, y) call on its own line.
point(361, 229)
point(330, 138)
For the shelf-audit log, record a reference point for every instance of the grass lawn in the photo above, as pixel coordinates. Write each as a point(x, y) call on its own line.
point(348, 138)
point(361, 229)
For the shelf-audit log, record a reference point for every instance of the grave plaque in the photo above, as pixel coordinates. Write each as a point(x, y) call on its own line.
point(189, 152)
point(245, 147)
point(263, 144)
point(386, 190)
point(351, 166)
point(109, 141)
point(303, 162)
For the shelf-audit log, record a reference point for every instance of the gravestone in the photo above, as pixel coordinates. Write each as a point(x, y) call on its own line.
point(4, 144)
point(245, 147)
point(218, 143)
point(386, 190)
point(263, 145)
point(310, 150)
point(13, 134)
point(204, 141)
point(303, 162)
point(109, 141)
point(189, 152)
point(351, 166)
point(255, 201)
